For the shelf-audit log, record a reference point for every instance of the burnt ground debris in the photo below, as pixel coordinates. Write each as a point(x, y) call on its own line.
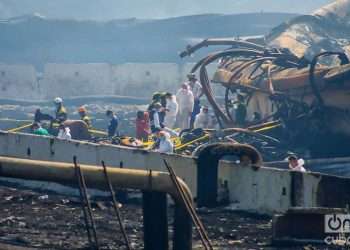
point(37, 220)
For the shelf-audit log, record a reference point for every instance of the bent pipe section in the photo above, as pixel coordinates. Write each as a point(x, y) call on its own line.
point(208, 162)
point(147, 181)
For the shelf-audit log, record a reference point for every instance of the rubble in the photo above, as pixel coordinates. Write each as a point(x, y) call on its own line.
point(49, 224)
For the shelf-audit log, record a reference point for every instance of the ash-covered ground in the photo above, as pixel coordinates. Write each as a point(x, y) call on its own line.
point(37, 220)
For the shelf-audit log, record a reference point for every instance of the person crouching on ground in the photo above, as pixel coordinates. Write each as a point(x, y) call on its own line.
point(64, 132)
point(164, 144)
point(203, 119)
point(38, 130)
point(112, 129)
point(142, 126)
point(296, 164)
point(171, 110)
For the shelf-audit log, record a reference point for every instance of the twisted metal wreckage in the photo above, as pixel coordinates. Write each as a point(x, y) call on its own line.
point(298, 77)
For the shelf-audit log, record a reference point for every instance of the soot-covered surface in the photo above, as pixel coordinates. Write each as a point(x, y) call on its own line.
point(31, 219)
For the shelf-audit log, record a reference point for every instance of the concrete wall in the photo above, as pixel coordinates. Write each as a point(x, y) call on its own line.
point(75, 80)
point(266, 190)
point(50, 149)
point(144, 79)
point(18, 81)
point(69, 80)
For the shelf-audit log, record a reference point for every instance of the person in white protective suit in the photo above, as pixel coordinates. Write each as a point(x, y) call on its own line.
point(203, 119)
point(165, 144)
point(171, 110)
point(64, 132)
point(185, 100)
point(296, 164)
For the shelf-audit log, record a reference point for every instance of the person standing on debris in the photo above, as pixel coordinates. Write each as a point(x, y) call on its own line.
point(84, 117)
point(164, 145)
point(203, 119)
point(154, 117)
point(171, 110)
point(142, 126)
point(296, 164)
point(112, 129)
point(64, 132)
point(185, 99)
point(38, 130)
point(61, 112)
point(197, 92)
point(241, 111)
point(159, 97)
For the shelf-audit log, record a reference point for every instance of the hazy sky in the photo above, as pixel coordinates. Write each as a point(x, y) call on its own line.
point(114, 9)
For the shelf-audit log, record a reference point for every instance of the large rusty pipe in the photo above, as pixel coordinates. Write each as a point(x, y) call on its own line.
point(64, 173)
point(155, 185)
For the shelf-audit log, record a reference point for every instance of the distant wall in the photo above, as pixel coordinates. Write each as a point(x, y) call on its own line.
point(18, 81)
point(263, 190)
point(69, 80)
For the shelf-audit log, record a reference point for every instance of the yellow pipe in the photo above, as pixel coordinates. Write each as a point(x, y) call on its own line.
point(266, 128)
point(65, 173)
point(98, 132)
point(93, 131)
point(13, 120)
point(191, 142)
point(19, 128)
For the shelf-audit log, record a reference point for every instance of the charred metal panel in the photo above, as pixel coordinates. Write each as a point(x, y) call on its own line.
point(301, 224)
point(208, 161)
point(333, 192)
point(155, 221)
point(297, 189)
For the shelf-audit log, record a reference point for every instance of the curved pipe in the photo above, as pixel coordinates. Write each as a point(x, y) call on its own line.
point(208, 162)
point(205, 81)
point(343, 59)
point(201, 61)
point(65, 173)
point(220, 42)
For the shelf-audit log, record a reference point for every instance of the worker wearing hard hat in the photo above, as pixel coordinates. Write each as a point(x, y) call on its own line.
point(61, 112)
point(84, 117)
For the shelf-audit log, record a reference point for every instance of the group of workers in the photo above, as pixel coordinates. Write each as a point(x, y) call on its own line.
point(164, 115)
point(61, 116)
point(167, 112)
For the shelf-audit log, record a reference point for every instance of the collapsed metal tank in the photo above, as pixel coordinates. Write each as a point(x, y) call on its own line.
point(299, 75)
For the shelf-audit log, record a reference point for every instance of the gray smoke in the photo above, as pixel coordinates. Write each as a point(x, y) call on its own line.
point(115, 9)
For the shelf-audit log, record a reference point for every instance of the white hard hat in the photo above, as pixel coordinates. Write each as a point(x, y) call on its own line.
point(58, 100)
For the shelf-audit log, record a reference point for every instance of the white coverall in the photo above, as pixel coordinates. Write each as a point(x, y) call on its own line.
point(64, 134)
point(166, 145)
point(186, 101)
point(203, 120)
point(299, 167)
point(171, 111)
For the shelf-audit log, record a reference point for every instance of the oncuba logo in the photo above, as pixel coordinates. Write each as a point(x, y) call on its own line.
point(337, 223)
